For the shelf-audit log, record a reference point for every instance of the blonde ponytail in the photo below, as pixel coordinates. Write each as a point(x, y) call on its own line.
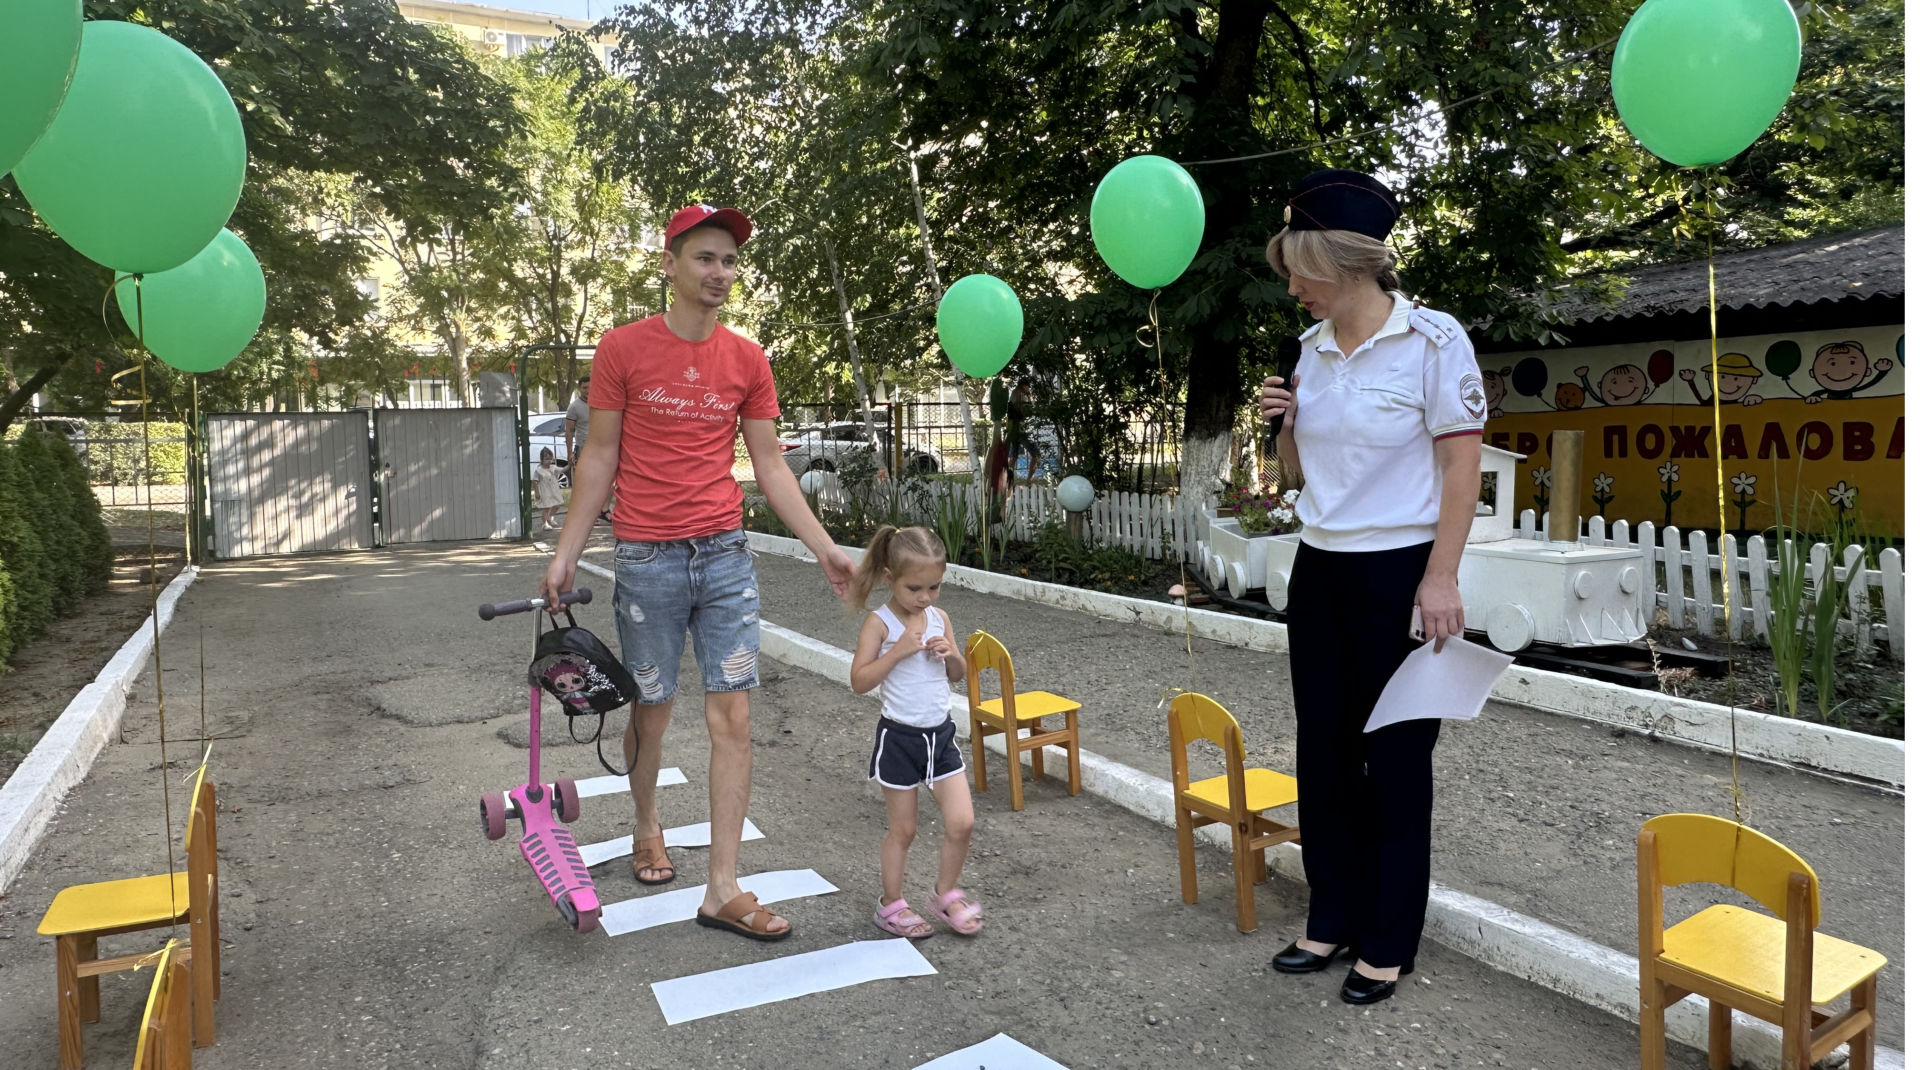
point(891, 549)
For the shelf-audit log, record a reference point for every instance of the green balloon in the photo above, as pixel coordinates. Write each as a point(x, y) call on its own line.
point(1698, 80)
point(1783, 358)
point(1147, 220)
point(201, 314)
point(980, 323)
point(39, 44)
point(143, 165)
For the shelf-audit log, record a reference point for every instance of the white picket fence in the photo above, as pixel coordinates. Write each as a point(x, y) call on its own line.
point(1688, 579)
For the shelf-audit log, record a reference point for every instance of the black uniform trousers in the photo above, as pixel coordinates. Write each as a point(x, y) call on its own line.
point(1366, 798)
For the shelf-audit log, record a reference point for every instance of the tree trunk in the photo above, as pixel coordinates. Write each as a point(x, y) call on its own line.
point(853, 354)
point(939, 291)
point(17, 400)
point(1222, 126)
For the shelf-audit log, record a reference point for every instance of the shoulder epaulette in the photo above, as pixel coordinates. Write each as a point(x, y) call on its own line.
point(1437, 327)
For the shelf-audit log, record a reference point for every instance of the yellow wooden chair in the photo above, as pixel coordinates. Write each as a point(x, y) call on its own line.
point(83, 913)
point(1011, 712)
point(163, 1043)
point(1235, 799)
point(1777, 970)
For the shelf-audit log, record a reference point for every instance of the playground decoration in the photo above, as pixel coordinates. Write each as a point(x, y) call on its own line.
point(39, 45)
point(1147, 219)
point(980, 323)
point(143, 164)
point(1074, 494)
point(1697, 81)
point(200, 315)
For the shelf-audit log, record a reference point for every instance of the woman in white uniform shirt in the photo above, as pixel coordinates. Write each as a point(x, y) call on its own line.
point(1383, 419)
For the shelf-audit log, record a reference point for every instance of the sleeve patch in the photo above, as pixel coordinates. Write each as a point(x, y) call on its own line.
point(1473, 397)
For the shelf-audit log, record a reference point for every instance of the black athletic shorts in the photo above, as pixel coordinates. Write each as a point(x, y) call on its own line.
point(905, 756)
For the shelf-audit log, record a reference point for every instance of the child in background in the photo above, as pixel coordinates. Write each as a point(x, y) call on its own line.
point(908, 651)
point(547, 495)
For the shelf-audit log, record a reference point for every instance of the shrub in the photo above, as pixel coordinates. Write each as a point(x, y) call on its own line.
point(54, 549)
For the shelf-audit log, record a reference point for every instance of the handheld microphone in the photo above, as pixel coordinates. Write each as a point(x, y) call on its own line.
point(1288, 361)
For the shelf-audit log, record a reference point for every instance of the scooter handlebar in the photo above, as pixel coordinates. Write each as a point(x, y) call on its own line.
point(576, 597)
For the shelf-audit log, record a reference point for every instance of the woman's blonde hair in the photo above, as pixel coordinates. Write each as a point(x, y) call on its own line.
point(1333, 256)
point(891, 550)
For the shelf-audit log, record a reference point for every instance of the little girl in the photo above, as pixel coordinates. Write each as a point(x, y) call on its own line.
point(907, 650)
point(547, 495)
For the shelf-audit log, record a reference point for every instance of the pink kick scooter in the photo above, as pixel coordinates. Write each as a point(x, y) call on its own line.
point(548, 848)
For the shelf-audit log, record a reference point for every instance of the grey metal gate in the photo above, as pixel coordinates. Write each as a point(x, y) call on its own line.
point(448, 474)
point(288, 483)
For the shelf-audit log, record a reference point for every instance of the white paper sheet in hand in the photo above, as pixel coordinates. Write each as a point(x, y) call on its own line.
point(1454, 683)
point(700, 835)
point(703, 995)
point(999, 1052)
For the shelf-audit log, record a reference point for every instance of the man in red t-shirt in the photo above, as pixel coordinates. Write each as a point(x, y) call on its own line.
point(668, 395)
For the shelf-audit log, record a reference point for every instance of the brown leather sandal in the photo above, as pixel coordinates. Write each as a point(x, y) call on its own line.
point(732, 918)
point(651, 853)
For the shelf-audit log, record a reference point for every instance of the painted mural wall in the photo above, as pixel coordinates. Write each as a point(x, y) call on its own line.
point(1825, 408)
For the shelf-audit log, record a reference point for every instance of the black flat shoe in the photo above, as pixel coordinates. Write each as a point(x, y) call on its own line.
point(1296, 960)
point(1361, 990)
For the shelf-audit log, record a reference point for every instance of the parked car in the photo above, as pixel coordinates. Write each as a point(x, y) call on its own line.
point(828, 447)
point(69, 429)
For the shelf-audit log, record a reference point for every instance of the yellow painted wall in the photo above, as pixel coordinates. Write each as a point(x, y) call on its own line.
point(1835, 423)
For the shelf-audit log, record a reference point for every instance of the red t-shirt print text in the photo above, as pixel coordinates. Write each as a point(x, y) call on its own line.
point(680, 404)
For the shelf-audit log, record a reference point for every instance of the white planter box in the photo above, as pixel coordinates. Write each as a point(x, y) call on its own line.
point(1235, 560)
point(1521, 591)
point(1280, 554)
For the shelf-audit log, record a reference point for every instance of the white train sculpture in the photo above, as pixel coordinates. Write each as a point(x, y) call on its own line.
point(1518, 591)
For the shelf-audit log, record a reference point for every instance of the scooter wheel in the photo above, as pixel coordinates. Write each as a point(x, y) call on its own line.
point(581, 922)
point(493, 815)
point(566, 801)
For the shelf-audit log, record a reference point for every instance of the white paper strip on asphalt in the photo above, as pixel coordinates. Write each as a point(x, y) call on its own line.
point(704, 995)
point(999, 1052)
point(665, 908)
point(700, 835)
point(608, 785)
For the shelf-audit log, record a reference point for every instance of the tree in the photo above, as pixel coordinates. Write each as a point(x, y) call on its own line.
point(324, 87)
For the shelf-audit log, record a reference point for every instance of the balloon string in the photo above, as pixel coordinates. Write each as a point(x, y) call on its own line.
point(1186, 592)
point(153, 589)
point(1728, 546)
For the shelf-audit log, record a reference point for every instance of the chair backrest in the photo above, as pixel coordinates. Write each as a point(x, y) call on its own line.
point(1197, 717)
point(202, 793)
point(1701, 848)
point(987, 654)
point(162, 1040)
point(1192, 717)
point(201, 866)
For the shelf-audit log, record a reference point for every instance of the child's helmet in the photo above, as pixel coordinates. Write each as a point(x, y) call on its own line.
point(576, 656)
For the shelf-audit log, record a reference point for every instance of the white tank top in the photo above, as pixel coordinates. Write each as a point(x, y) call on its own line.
point(916, 691)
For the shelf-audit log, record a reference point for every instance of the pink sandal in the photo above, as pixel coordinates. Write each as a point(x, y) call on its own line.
point(960, 914)
point(899, 919)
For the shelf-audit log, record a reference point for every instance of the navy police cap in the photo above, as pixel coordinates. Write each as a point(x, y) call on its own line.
point(1338, 199)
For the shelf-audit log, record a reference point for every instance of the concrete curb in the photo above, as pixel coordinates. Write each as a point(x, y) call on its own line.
point(1504, 939)
point(1762, 736)
point(66, 752)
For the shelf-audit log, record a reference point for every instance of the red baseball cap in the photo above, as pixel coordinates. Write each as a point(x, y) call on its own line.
point(693, 215)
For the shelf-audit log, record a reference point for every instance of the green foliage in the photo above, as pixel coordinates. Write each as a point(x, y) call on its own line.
point(1823, 630)
point(54, 550)
point(952, 523)
point(1102, 568)
point(1786, 605)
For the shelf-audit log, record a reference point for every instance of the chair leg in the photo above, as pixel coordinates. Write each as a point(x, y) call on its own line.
point(1260, 866)
point(1013, 766)
point(66, 961)
point(1039, 753)
point(1796, 1044)
point(1073, 752)
point(1243, 882)
point(1653, 1024)
point(1860, 1049)
point(978, 729)
point(1719, 1036)
point(1189, 877)
point(87, 950)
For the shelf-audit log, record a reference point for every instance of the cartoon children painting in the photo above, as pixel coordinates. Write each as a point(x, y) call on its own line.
point(1623, 384)
point(1496, 384)
point(1842, 370)
point(1737, 378)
